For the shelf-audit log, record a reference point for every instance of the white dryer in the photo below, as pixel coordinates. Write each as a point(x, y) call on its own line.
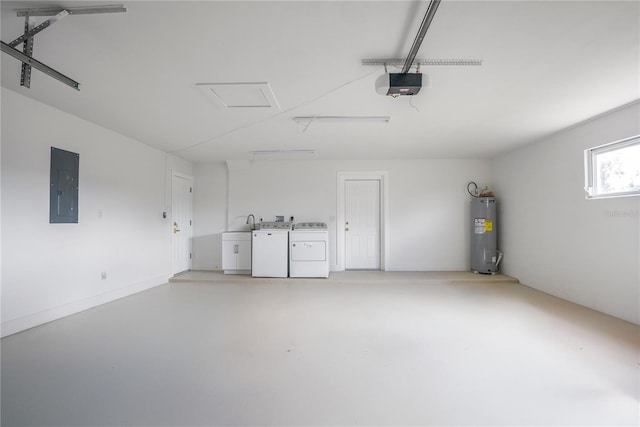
point(309, 250)
point(269, 250)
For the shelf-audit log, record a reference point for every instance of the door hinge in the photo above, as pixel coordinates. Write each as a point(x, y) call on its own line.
point(190, 190)
point(189, 255)
point(189, 222)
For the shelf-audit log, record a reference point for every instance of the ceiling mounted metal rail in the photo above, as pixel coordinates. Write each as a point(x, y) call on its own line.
point(85, 10)
point(416, 62)
point(30, 62)
point(29, 34)
point(411, 60)
point(30, 31)
point(428, 17)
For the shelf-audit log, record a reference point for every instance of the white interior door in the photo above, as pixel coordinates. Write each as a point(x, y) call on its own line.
point(362, 224)
point(181, 227)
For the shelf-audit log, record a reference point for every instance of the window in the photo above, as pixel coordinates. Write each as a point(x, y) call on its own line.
point(613, 170)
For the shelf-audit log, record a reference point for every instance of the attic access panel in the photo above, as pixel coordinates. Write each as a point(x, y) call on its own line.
point(63, 188)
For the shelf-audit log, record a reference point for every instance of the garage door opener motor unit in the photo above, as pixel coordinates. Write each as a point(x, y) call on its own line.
point(485, 256)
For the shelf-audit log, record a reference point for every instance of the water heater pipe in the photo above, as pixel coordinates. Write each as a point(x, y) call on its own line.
point(475, 192)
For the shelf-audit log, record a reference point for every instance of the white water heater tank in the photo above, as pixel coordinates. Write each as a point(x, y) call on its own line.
point(485, 256)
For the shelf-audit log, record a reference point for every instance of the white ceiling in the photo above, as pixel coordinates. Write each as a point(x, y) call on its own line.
point(546, 65)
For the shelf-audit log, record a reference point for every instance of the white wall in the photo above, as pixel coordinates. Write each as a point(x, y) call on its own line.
point(210, 215)
point(586, 251)
point(53, 270)
point(428, 204)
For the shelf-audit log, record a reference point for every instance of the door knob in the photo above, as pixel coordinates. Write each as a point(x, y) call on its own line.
point(175, 227)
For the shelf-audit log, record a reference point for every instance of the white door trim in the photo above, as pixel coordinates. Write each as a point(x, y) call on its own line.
point(383, 177)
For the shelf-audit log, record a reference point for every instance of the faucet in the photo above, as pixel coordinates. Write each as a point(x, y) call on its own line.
point(253, 223)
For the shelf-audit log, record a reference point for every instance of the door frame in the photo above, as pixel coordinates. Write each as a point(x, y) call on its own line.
point(190, 233)
point(343, 177)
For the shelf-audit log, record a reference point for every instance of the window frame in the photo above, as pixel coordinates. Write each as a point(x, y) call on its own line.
point(590, 170)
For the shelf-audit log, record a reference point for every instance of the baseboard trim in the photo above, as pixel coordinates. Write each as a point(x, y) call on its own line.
point(23, 323)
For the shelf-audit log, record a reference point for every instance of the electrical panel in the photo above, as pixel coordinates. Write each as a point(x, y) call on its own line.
point(63, 189)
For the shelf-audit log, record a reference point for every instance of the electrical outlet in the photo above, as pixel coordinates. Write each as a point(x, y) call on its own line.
point(103, 275)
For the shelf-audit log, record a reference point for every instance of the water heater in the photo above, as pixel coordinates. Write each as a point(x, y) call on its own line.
point(485, 257)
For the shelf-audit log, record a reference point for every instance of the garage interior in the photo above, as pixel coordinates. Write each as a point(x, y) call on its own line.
point(267, 108)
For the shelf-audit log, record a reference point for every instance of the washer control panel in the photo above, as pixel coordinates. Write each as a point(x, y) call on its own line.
point(276, 225)
point(310, 226)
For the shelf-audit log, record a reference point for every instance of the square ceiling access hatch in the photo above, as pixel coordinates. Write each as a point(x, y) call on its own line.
point(240, 95)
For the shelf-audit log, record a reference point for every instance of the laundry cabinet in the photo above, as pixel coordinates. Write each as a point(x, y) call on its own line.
point(236, 252)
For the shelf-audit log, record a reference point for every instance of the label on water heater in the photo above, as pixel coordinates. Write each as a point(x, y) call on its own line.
point(479, 225)
point(488, 225)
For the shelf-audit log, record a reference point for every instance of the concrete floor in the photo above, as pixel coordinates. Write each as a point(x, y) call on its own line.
point(360, 348)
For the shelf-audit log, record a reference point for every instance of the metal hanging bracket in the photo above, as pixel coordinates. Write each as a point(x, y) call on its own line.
point(428, 62)
point(411, 60)
point(28, 62)
point(29, 34)
point(85, 10)
point(26, 56)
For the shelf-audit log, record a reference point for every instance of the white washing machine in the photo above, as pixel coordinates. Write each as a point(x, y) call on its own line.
point(270, 250)
point(309, 250)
